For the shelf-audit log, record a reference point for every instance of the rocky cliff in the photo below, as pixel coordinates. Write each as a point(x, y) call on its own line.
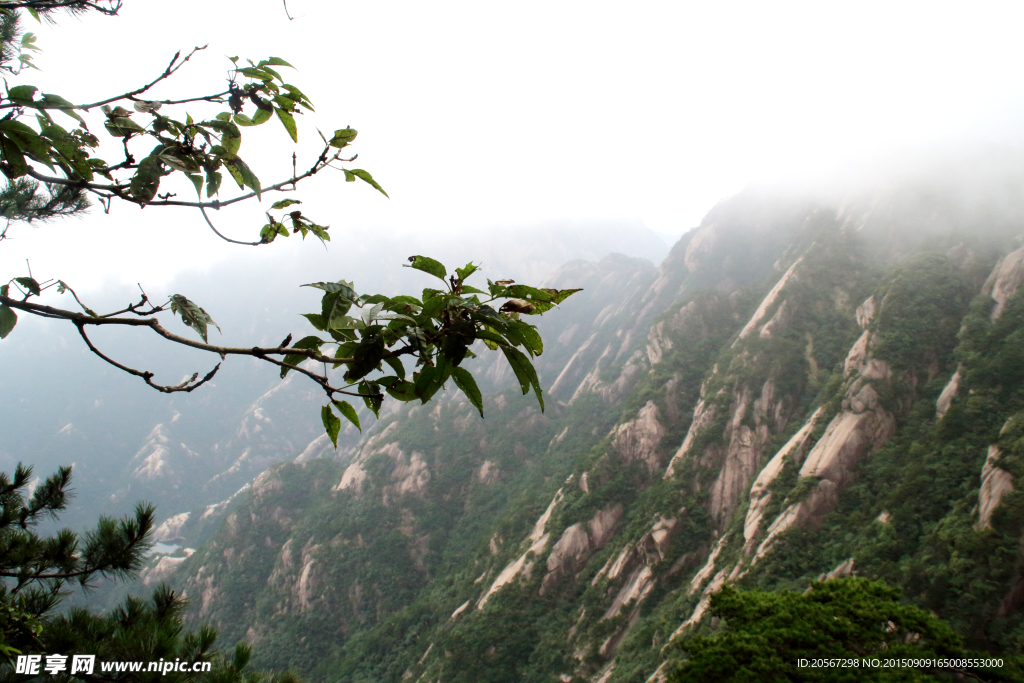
point(802, 390)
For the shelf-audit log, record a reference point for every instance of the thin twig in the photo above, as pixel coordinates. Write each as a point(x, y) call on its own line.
point(168, 72)
point(224, 237)
point(186, 386)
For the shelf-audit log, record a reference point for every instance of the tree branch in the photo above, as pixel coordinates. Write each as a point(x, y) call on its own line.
point(154, 324)
point(119, 190)
point(80, 320)
point(168, 72)
point(186, 386)
point(223, 237)
point(50, 5)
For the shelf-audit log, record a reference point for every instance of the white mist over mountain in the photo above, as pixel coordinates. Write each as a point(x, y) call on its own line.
point(480, 115)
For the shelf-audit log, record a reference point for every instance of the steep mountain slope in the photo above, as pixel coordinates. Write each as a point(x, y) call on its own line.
point(803, 388)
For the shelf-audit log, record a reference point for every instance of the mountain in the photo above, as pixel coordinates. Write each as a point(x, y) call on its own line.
point(808, 386)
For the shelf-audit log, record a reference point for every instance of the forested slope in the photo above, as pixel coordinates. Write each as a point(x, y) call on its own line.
point(804, 387)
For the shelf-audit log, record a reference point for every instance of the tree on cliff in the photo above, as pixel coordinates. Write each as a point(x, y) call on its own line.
point(776, 636)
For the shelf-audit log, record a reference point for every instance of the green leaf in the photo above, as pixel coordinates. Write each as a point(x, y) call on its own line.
point(464, 381)
point(286, 103)
point(243, 175)
point(316, 320)
point(396, 365)
point(525, 372)
point(366, 357)
point(8, 319)
point(28, 283)
point(428, 381)
point(334, 307)
point(224, 116)
point(428, 265)
point(332, 424)
point(213, 179)
point(261, 116)
point(463, 273)
point(291, 359)
point(243, 120)
point(10, 153)
point(277, 61)
point(346, 409)
point(403, 391)
point(527, 336)
point(122, 127)
point(284, 203)
point(179, 161)
point(343, 137)
point(350, 177)
point(372, 402)
point(231, 138)
point(253, 72)
point(192, 315)
point(363, 175)
point(51, 101)
point(197, 180)
point(288, 121)
point(340, 286)
point(22, 94)
point(146, 180)
point(298, 96)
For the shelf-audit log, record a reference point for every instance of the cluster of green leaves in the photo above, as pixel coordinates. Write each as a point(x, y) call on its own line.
point(437, 330)
point(767, 634)
point(202, 150)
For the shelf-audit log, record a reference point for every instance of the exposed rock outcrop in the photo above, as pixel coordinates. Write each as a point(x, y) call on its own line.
point(947, 395)
point(703, 415)
point(638, 439)
point(1004, 280)
point(743, 454)
point(842, 570)
point(768, 301)
point(760, 496)
point(578, 542)
point(995, 483)
point(170, 529)
point(861, 427)
point(523, 564)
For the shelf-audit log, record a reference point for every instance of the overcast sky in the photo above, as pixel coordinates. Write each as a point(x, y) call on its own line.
point(476, 115)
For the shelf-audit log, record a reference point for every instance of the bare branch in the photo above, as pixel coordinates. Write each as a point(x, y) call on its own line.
point(186, 386)
point(154, 324)
point(168, 72)
point(80, 320)
point(223, 237)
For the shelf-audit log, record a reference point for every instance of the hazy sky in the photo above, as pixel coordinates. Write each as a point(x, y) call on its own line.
point(477, 115)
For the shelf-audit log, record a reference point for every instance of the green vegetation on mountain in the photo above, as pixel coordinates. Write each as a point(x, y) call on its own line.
point(860, 625)
point(764, 417)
